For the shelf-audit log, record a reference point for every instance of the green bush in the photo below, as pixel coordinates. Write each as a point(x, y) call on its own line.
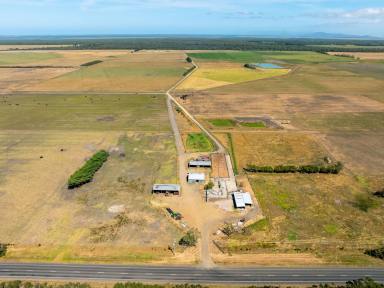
point(307, 169)
point(189, 239)
point(85, 174)
point(189, 59)
point(379, 193)
point(377, 253)
point(3, 250)
point(208, 186)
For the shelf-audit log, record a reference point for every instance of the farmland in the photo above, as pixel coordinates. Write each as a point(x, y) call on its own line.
point(51, 139)
point(146, 72)
point(334, 110)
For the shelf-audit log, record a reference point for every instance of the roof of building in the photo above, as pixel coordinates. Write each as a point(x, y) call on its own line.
point(200, 162)
point(196, 176)
point(247, 198)
point(239, 200)
point(166, 187)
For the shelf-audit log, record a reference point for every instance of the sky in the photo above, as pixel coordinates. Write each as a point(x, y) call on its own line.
point(211, 17)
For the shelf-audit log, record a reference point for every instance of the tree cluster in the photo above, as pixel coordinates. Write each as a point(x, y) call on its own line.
point(85, 174)
point(189, 239)
point(377, 253)
point(304, 169)
point(379, 193)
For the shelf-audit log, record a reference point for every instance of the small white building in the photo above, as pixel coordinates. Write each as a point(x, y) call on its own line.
point(196, 178)
point(166, 188)
point(242, 199)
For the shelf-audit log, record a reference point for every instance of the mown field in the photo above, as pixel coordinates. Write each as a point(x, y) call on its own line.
point(146, 72)
point(45, 138)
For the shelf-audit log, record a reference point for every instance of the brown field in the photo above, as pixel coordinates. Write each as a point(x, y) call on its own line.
point(132, 72)
point(274, 148)
point(13, 79)
point(362, 55)
point(278, 105)
point(219, 166)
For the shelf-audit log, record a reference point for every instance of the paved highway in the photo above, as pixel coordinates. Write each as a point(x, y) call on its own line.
point(173, 274)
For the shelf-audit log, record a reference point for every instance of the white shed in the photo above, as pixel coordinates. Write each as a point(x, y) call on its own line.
point(195, 177)
point(238, 200)
point(247, 199)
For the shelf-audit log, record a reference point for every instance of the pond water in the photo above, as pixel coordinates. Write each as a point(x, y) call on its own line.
point(268, 66)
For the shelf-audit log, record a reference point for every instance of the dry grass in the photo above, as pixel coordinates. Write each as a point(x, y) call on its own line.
point(230, 105)
point(362, 55)
point(126, 73)
point(274, 148)
point(216, 74)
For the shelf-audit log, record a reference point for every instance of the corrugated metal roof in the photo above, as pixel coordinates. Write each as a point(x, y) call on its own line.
point(166, 187)
point(247, 198)
point(200, 163)
point(238, 199)
point(196, 176)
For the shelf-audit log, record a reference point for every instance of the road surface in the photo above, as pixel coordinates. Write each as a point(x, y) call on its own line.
point(245, 276)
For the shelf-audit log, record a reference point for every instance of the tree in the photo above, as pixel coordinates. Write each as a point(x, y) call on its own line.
point(3, 250)
point(208, 186)
point(189, 239)
point(189, 59)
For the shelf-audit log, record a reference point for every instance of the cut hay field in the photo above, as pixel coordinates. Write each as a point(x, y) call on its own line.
point(17, 58)
point(111, 219)
point(145, 72)
point(215, 74)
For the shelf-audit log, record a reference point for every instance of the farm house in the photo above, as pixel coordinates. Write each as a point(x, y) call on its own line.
point(166, 188)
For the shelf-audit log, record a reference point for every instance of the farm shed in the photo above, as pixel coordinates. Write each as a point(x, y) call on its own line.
point(247, 199)
point(166, 188)
point(200, 163)
point(195, 177)
point(238, 200)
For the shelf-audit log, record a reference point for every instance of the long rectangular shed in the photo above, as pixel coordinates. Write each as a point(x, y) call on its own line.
point(166, 188)
point(200, 163)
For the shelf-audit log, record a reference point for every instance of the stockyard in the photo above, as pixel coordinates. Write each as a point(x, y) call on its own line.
point(59, 107)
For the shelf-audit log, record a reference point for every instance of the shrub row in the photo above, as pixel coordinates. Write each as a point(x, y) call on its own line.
point(94, 62)
point(377, 253)
point(307, 169)
point(85, 174)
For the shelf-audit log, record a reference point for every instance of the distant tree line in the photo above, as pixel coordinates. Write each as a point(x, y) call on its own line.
point(209, 43)
point(305, 169)
point(85, 174)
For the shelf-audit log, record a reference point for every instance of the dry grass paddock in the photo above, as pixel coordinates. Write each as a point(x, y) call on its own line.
point(280, 105)
point(52, 137)
point(362, 55)
point(132, 72)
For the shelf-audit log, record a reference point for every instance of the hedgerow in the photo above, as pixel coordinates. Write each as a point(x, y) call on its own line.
point(305, 169)
point(3, 249)
point(85, 174)
point(91, 63)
